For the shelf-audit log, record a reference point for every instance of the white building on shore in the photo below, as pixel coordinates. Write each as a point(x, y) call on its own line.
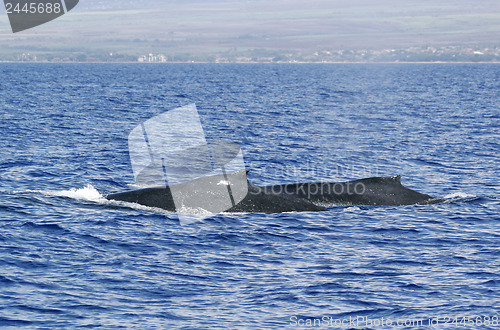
point(152, 58)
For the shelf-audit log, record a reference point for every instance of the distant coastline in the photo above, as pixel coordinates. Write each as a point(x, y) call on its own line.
point(222, 63)
point(426, 54)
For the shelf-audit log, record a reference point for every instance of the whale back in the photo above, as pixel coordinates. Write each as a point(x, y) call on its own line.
point(369, 191)
point(308, 196)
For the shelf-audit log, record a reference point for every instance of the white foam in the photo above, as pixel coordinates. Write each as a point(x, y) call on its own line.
point(134, 206)
point(459, 195)
point(91, 194)
point(87, 193)
point(352, 209)
point(194, 210)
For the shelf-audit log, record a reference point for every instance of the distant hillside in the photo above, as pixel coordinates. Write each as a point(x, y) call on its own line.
point(209, 29)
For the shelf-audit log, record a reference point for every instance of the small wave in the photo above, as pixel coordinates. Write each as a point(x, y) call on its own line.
point(425, 162)
point(43, 226)
point(352, 209)
point(459, 195)
point(194, 210)
point(87, 193)
point(91, 194)
point(14, 322)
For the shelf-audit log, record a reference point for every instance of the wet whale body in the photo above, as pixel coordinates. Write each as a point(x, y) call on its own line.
point(311, 196)
point(386, 191)
point(194, 176)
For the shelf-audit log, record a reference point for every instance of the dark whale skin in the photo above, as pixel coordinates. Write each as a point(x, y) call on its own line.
point(370, 191)
point(298, 197)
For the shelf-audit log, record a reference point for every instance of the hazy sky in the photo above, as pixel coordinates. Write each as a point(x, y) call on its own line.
point(217, 25)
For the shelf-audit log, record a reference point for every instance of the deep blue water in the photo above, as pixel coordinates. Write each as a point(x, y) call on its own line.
point(69, 259)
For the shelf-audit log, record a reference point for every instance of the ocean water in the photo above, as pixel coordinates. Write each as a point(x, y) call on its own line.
point(71, 259)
